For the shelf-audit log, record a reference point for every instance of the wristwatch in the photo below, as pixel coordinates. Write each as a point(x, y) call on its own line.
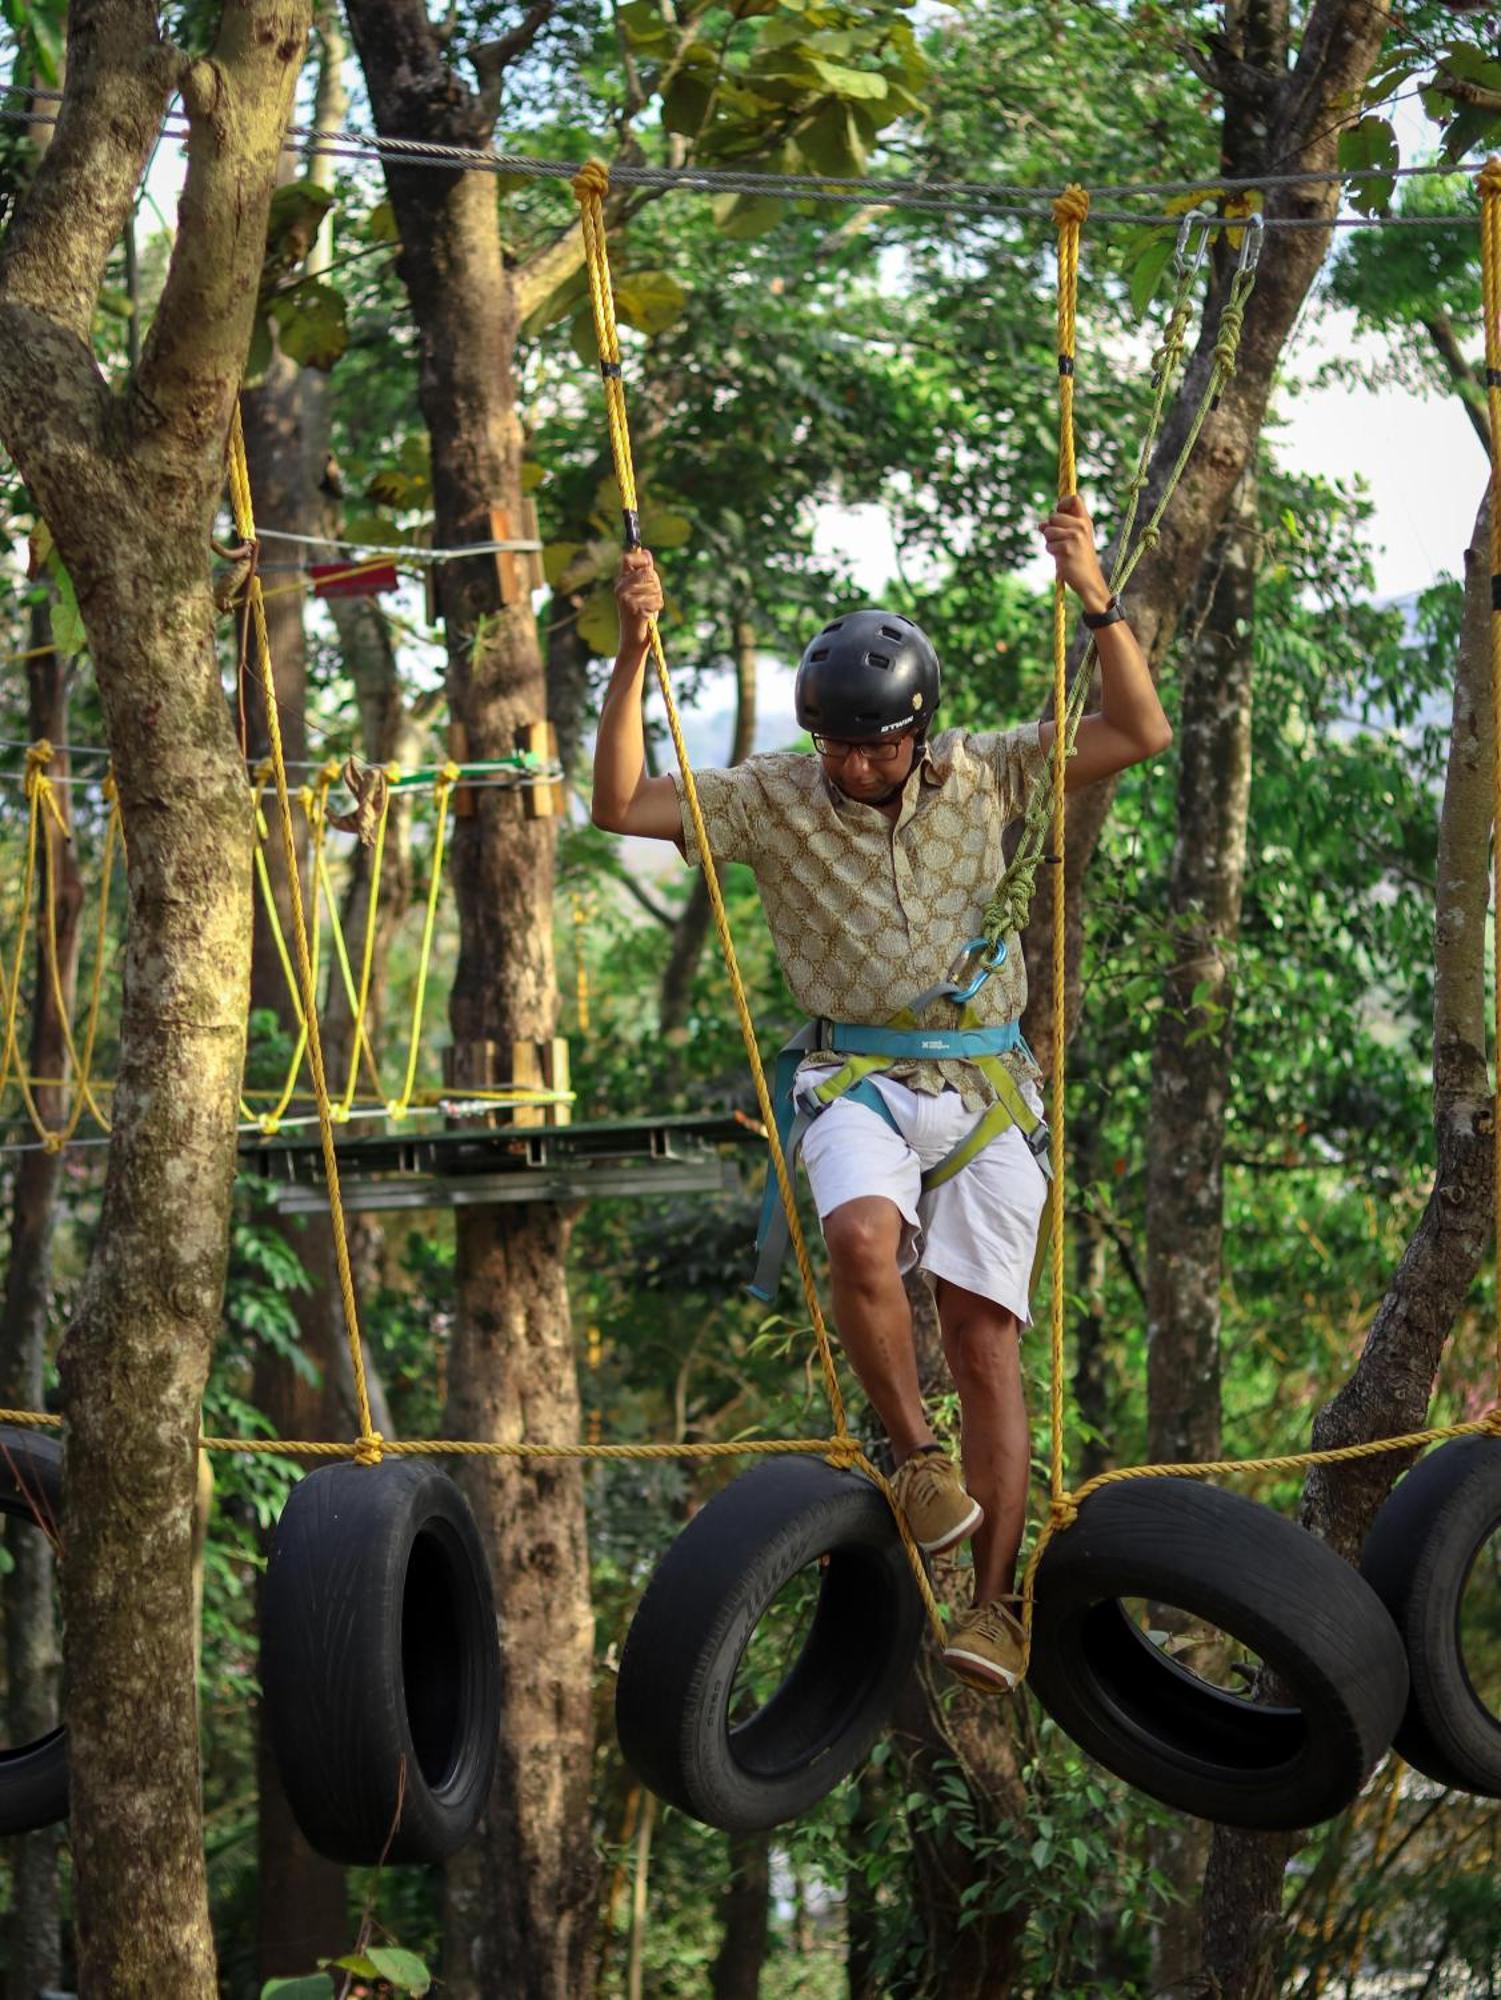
point(1113, 614)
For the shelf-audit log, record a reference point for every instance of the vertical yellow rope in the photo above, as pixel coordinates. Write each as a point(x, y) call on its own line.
point(1069, 212)
point(443, 786)
point(1490, 288)
point(368, 1450)
point(367, 955)
point(590, 187)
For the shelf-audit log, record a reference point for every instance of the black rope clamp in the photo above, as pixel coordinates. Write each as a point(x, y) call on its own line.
point(610, 370)
point(632, 520)
point(1496, 591)
point(1065, 364)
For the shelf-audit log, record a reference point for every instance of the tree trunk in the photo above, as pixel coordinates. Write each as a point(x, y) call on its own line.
point(129, 486)
point(1190, 1094)
point(33, 1931)
point(1278, 119)
point(521, 1898)
point(744, 1911)
point(1388, 1392)
point(939, 1727)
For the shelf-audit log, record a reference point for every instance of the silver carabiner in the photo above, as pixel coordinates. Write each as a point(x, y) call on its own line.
point(1181, 265)
point(1250, 244)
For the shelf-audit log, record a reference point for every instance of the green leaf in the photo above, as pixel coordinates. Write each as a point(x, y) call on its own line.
point(662, 528)
point(307, 1986)
point(583, 339)
point(686, 104)
point(311, 324)
point(380, 224)
point(532, 475)
point(848, 82)
point(258, 360)
point(830, 143)
point(1469, 127)
point(599, 623)
point(744, 216)
point(297, 210)
point(1146, 272)
point(1370, 142)
point(557, 560)
point(649, 300)
point(68, 634)
point(401, 1969)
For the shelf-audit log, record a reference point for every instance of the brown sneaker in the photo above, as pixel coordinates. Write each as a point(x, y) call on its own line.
point(987, 1649)
point(931, 1495)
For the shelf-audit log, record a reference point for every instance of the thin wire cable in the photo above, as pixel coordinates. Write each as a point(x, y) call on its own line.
point(939, 197)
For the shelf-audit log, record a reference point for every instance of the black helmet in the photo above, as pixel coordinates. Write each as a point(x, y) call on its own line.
point(867, 675)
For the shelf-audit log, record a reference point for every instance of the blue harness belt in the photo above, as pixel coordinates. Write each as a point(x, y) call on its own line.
point(868, 1051)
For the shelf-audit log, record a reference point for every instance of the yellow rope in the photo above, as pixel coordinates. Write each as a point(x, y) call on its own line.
point(42, 804)
point(443, 791)
point(360, 1002)
point(1490, 288)
point(368, 1449)
point(1069, 212)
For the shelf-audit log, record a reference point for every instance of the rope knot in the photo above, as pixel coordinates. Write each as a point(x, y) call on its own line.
point(52, 1142)
point(1071, 206)
point(843, 1452)
point(269, 1123)
point(369, 1450)
point(38, 757)
point(1492, 1419)
point(1063, 1514)
point(109, 789)
point(1150, 537)
point(591, 182)
point(1490, 178)
point(450, 774)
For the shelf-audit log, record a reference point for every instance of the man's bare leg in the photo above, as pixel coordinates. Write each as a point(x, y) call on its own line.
point(873, 1316)
point(981, 1343)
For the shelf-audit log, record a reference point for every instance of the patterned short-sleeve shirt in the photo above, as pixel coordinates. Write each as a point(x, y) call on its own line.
point(865, 912)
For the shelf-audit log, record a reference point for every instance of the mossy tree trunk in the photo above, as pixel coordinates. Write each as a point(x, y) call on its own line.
point(521, 1899)
point(1191, 1090)
point(128, 476)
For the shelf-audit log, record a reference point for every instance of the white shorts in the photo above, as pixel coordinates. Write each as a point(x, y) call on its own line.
point(978, 1230)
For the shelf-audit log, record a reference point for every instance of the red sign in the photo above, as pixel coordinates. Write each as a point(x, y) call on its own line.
point(352, 578)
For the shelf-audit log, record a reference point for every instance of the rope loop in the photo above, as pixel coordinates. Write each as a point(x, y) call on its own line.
point(844, 1451)
point(1490, 178)
point(370, 1449)
point(1063, 1513)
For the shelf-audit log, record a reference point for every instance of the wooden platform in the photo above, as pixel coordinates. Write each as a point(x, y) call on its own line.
point(451, 1169)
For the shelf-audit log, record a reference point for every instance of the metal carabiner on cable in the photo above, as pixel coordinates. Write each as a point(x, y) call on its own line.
point(1250, 244)
point(987, 965)
point(1181, 263)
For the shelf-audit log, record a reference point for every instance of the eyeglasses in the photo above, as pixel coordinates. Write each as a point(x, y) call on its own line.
point(884, 751)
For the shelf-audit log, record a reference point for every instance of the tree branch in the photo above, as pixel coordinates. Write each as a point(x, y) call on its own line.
point(237, 102)
point(491, 60)
point(120, 77)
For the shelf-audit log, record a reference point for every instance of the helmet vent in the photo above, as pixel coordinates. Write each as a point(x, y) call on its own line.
point(879, 659)
point(819, 653)
point(892, 632)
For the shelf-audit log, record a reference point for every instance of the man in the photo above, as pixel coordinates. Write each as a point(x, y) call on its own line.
point(875, 858)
